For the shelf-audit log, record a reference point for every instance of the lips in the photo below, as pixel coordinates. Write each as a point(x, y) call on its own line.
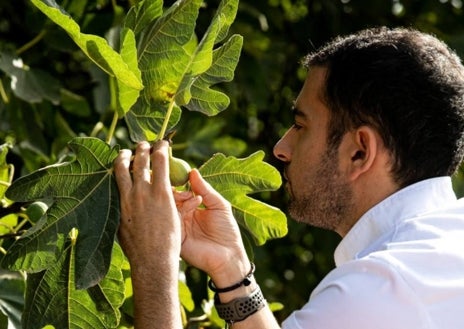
point(287, 185)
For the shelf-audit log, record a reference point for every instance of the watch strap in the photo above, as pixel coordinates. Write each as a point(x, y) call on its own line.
point(240, 308)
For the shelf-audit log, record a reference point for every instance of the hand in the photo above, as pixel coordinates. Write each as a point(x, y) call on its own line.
point(150, 228)
point(211, 236)
point(150, 234)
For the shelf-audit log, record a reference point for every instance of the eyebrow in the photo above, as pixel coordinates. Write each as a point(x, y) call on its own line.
point(297, 112)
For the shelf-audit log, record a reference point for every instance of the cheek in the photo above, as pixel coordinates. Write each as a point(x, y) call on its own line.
point(299, 172)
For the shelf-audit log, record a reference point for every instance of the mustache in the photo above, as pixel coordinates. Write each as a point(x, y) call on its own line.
point(284, 172)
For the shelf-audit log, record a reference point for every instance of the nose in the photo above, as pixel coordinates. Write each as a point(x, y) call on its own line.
point(282, 149)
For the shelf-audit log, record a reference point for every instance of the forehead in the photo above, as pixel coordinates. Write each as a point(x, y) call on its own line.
point(310, 98)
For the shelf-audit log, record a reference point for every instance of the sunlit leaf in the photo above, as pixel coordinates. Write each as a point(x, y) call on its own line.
point(185, 297)
point(8, 223)
point(95, 47)
point(235, 179)
point(85, 197)
point(208, 68)
point(207, 100)
point(162, 56)
point(127, 96)
point(174, 65)
point(142, 14)
point(226, 13)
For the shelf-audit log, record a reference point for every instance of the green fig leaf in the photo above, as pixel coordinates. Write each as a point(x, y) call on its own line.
point(143, 14)
point(208, 67)
point(145, 120)
point(175, 66)
point(85, 197)
point(96, 307)
point(234, 179)
point(209, 101)
point(95, 47)
point(162, 55)
point(127, 96)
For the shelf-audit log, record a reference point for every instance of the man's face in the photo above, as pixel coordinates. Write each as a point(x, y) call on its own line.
point(319, 194)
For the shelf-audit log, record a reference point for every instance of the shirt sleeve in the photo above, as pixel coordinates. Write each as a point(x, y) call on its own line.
point(361, 295)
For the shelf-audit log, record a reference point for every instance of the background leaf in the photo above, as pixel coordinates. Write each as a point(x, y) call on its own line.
point(235, 179)
point(11, 298)
point(85, 197)
point(31, 85)
point(5, 170)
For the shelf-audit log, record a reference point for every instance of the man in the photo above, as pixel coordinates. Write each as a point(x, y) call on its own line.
point(379, 128)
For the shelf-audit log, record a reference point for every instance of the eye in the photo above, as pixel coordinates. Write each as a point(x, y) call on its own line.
point(296, 126)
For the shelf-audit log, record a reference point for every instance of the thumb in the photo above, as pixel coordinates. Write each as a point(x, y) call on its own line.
point(211, 198)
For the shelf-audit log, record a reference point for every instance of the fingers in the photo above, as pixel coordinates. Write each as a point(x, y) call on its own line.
point(141, 163)
point(136, 173)
point(160, 161)
point(121, 172)
point(187, 202)
point(211, 198)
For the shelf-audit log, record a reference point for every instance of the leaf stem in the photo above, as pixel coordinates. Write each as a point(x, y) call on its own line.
point(112, 128)
point(96, 129)
point(21, 224)
point(4, 183)
point(10, 176)
point(166, 121)
point(73, 235)
point(31, 43)
point(180, 146)
point(3, 94)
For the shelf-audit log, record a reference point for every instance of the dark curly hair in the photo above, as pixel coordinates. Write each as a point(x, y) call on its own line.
point(406, 84)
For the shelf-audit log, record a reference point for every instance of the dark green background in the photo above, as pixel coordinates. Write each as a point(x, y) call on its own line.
point(277, 34)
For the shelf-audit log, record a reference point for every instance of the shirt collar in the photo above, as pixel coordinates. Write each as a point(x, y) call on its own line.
point(411, 201)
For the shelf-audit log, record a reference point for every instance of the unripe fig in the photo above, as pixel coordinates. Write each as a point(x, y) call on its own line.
point(178, 170)
point(36, 210)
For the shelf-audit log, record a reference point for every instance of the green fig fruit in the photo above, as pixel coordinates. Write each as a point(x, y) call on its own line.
point(36, 210)
point(178, 170)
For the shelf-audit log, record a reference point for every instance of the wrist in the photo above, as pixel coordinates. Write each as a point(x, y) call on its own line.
point(232, 271)
point(245, 282)
point(238, 288)
point(240, 300)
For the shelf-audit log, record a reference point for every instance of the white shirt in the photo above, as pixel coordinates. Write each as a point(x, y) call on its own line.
point(401, 266)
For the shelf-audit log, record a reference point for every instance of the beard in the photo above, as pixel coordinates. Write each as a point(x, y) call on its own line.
point(326, 199)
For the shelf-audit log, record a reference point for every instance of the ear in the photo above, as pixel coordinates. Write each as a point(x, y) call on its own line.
point(359, 150)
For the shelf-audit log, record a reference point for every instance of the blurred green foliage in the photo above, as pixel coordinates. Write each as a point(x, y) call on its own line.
point(277, 34)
